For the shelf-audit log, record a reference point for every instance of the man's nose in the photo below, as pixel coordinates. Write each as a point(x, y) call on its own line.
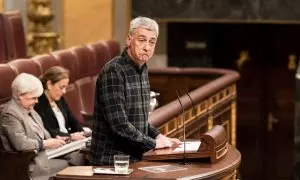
point(147, 46)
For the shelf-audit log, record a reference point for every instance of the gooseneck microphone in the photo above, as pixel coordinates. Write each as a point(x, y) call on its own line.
point(183, 121)
point(194, 109)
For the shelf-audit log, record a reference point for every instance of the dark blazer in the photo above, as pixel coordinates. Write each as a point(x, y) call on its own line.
point(44, 109)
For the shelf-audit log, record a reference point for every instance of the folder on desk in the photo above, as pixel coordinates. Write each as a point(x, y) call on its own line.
point(65, 149)
point(213, 145)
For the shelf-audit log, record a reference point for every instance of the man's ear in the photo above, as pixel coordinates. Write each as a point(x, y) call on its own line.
point(128, 40)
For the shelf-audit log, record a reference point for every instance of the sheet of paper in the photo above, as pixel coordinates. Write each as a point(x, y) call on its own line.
point(189, 146)
point(162, 168)
point(109, 171)
point(77, 171)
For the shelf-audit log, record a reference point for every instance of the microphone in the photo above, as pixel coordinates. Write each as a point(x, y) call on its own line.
point(183, 120)
point(194, 109)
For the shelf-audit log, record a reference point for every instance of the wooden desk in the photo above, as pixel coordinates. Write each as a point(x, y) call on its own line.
point(224, 169)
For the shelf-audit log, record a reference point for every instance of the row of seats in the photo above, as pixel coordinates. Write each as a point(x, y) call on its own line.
point(12, 37)
point(84, 63)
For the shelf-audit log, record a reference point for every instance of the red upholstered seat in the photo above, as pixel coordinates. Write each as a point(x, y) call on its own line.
point(85, 61)
point(45, 61)
point(114, 48)
point(5, 83)
point(3, 53)
point(102, 55)
point(25, 66)
point(15, 36)
point(68, 60)
point(84, 82)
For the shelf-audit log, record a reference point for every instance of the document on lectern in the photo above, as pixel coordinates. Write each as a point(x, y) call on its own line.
point(163, 168)
point(189, 146)
point(67, 148)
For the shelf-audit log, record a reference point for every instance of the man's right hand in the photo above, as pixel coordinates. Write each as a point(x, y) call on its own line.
point(53, 143)
point(162, 142)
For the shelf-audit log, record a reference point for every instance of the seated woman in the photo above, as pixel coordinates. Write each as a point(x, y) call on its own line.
point(55, 113)
point(21, 128)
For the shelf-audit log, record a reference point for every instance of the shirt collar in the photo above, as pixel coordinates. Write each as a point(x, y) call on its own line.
point(128, 59)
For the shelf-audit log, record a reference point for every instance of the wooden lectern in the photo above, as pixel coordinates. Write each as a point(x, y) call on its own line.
point(213, 145)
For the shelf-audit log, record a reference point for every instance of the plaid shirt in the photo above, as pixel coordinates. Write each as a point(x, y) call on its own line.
point(121, 109)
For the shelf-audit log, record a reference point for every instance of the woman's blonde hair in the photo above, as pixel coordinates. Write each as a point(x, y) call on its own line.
point(54, 74)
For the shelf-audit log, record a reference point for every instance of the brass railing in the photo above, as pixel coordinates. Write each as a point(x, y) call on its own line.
point(214, 101)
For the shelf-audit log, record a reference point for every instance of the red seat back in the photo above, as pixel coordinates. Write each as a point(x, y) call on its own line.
point(25, 66)
point(8, 75)
point(3, 53)
point(45, 61)
point(15, 36)
point(85, 65)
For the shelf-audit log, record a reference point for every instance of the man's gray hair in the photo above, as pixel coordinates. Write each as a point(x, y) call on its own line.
point(144, 22)
point(26, 83)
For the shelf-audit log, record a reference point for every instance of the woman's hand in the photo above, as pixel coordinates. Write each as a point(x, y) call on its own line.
point(53, 143)
point(64, 138)
point(77, 136)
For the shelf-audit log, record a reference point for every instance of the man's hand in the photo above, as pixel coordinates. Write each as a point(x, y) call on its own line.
point(53, 143)
point(175, 142)
point(162, 142)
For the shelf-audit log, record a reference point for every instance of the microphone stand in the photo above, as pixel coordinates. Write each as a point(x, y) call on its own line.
point(182, 109)
point(194, 109)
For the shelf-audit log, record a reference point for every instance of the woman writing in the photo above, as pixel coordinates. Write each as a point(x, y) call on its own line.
point(51, 106)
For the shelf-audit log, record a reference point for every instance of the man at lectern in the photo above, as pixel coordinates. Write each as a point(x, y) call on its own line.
point(120, 123)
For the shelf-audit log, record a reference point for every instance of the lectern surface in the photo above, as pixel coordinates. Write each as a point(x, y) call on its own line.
point(196, 170)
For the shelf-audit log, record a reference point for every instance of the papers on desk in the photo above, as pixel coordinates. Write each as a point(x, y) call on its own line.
point(67, 148)
point(162, 168)
point(189, 146)
point(77, 171)
point(110, 171)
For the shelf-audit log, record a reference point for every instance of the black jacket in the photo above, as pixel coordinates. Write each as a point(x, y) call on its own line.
point(43, 108)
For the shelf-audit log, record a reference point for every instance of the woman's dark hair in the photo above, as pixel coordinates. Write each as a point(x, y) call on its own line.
point(54, 74)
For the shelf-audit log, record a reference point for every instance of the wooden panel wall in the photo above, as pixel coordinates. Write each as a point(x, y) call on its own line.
point(1, 5)
point(87, 21)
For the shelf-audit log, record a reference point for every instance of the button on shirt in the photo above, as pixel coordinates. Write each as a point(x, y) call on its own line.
point(120, 123)
point(60, 119)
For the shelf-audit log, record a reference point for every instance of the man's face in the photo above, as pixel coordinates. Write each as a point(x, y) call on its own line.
point(28, 101)
point(141, 45)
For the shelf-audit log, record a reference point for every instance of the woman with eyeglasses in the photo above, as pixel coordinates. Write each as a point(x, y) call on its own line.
point(56, 115)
